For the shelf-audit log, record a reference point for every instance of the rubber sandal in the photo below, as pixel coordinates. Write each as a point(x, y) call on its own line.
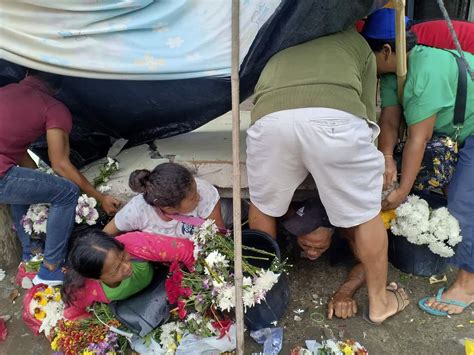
point(400, 307)
point(436, 312)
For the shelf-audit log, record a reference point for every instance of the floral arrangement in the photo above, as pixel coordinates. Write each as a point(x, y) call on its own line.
point(47, 307)
point(420, 225)
point(209, 290)
point(105, 172)
point(211, 285)
point(35, 220)
point(91, 336)
point(86, 211)
point(331, 347)
point(85, 338)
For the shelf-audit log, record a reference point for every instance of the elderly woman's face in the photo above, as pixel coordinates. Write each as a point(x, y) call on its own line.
point(314, 244)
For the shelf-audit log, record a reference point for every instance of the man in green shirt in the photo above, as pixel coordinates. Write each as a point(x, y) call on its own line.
point(429, 98)
point(314, 107)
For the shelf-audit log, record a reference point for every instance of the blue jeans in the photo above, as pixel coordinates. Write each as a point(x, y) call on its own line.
point(461, 205)
point(21, 187)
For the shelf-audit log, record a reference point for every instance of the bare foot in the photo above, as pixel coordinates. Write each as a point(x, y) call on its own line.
point(397, 301)
point(453, 293)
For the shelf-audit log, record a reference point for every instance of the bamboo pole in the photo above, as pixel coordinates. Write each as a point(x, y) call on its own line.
point(400, 46)
point(235, 87)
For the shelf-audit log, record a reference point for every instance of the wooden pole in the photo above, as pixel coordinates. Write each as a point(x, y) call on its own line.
point(10, 249)
point(235, 82)
point(400, 46)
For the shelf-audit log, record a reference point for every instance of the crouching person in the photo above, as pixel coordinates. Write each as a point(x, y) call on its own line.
point(314, 234)
point(105, 269)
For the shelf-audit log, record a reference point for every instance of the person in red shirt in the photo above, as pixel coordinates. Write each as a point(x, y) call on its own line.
point(27, 111)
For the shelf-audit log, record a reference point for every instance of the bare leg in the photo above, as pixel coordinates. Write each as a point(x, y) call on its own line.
point(461, 290)
point(262, 222)
point(371, 249)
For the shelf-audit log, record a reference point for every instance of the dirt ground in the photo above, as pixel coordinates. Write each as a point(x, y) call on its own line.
point(412, 332)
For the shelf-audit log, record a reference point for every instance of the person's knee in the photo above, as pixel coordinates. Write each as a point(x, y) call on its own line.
point(72, 192)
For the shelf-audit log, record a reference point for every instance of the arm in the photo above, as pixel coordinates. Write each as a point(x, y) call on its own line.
point(58, 152)
point(159, 248)
point(27, 162)
point(418, 135)
point(390, 121)
point(216, 215)
point(111, 228)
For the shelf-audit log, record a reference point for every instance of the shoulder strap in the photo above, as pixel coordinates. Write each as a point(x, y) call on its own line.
point(461, 93)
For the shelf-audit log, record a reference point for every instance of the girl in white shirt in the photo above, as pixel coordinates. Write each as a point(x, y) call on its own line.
point(170, 189)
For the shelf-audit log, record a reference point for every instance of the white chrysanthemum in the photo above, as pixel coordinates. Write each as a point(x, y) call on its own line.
point(104, 189)
point(216, 260)
point(266, 279)
point(444, 227)
point(248, 295)
point(78, 219)
point(54, 312)
point(441, 249)
point(226, 298)
point(40, 227)
point(92, 202)
point(412, 220)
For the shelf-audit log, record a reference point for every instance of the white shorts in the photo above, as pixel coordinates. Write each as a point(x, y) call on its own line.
point(335, 147)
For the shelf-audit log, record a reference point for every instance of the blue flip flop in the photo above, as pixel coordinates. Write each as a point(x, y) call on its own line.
point(435, 312)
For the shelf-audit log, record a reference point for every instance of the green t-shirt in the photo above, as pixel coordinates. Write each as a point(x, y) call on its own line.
point(430, 89)
point(337, 71)
point(141, 277)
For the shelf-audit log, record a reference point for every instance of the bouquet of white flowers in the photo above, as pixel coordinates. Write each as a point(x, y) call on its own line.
point(36, 218)
point(422, 226)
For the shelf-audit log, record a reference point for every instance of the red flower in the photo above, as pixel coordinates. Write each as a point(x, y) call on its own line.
point(182, 309)
point(222, 326)
point(172, 291)
point(186, 292)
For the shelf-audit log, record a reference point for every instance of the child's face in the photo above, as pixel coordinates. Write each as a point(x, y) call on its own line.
point(117, 267)
point(187, 205)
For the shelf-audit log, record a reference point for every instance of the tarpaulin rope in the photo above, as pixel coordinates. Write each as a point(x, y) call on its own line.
point(455, 37)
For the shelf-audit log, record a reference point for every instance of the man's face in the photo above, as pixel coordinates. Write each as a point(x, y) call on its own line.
point(314, 244)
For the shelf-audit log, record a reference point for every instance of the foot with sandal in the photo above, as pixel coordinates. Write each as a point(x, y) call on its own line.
point(397, 300)
point(453, 300)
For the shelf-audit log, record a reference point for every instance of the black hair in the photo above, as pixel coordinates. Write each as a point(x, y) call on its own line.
point(377, 44)
point(166, 186)
point(86, 260)
point(53, 80)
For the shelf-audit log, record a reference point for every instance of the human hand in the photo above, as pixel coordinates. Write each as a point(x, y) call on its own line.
point(342, 305)
point(110, 205)
point(390, 173)
point(395, 199)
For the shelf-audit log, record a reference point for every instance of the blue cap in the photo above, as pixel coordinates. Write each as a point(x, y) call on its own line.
point(381, 25)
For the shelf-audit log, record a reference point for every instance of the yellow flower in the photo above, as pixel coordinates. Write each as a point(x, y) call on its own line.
point(469, 347)
point(40, 298)
point(39, 314)
point(347, 350)
point(49, 291)
point(54, 343)
point(178, 337)
point(387, 217)
point(57, 297)
point(87, 352)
